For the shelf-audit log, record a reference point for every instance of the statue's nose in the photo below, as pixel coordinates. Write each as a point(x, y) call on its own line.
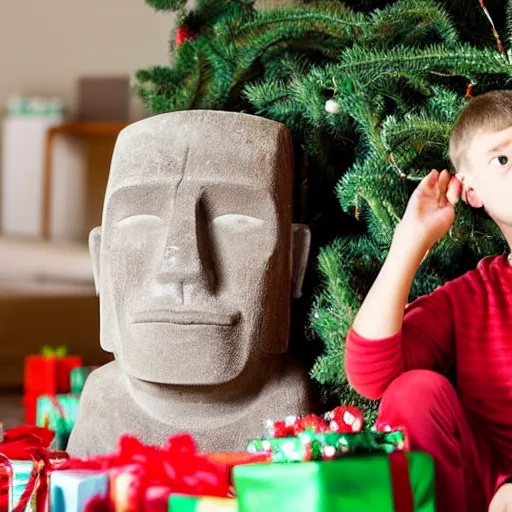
point(180, 265)
point(183, 258)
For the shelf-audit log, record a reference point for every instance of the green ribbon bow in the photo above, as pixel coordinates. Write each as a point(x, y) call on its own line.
point(59, 352)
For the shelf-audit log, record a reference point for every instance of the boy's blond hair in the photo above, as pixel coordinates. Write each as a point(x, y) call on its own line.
point(490, 111)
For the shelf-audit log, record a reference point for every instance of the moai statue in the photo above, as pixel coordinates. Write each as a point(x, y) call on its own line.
point(196, 262)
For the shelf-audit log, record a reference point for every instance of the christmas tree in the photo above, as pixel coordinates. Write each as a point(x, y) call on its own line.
point(370, 91)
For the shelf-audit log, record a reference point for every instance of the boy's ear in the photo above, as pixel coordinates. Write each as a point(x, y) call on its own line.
point(94, 250)
point(469, 195)
point(473, 199)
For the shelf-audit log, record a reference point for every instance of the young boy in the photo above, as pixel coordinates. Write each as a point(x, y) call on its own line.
point(400, 353)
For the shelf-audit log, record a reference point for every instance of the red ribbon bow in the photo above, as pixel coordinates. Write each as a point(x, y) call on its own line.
point(19, 443)
point(177, 466)
point(26, 443)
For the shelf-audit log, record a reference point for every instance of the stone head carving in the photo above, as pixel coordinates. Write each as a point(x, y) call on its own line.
point(197, 257)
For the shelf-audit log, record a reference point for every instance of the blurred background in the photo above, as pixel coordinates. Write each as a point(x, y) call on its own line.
point(65, 93)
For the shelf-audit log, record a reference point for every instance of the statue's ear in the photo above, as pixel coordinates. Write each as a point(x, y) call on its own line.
point(301, 245)
point(94, 250)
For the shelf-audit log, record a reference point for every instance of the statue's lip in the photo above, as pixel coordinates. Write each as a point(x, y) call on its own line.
point(167, 316)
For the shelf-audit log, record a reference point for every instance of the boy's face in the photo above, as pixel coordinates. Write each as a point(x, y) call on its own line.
point(487, 174)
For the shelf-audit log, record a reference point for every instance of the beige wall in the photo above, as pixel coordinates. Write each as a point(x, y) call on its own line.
point(45, 45)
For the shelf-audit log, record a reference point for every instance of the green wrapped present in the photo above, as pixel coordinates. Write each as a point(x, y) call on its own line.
point(308, 446)
point(58, 413)
point(285, 449)
point(78, 376)
point(396, 482)
point(179, 503)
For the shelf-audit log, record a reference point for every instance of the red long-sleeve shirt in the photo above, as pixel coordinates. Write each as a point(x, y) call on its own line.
point(468, 322)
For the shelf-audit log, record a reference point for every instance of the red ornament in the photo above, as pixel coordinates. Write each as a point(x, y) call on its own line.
point(183, 34)
point(345, 420)
point(311, 423)
point(281, 429)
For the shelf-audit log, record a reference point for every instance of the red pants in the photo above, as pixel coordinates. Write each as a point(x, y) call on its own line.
point(426, 404)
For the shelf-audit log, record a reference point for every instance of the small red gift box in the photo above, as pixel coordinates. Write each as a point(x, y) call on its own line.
point(48, 373)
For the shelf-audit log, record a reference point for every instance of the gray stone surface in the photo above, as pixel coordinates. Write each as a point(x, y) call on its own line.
point(195, 263)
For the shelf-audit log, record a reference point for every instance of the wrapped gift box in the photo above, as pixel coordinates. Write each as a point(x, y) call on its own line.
point(72, 490)
point(58, 413)
point(199, 504)
point(381, 483)
point(18, 482)
point(25, 466)
point(22, 474)
point(49, 373)
point(78, 376)
point(230, 460)
point(141, 477)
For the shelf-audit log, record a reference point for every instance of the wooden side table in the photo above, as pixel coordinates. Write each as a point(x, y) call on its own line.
point(79, 130)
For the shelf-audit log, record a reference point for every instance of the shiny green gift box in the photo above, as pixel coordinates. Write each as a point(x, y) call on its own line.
point(78, 376)
point(59, 414)
point(179, 503)
point(399, 482)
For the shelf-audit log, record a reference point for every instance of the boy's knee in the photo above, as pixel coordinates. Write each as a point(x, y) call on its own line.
point(417, 389)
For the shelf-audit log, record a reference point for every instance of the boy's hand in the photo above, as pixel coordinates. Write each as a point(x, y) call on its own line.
point(502, 501)
point(430, 212)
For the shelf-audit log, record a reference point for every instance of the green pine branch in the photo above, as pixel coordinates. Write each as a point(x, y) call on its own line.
point(508, 28)
point(461, 60)
point(410, 22)
point(167, 5)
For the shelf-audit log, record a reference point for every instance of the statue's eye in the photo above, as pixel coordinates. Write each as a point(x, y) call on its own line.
point(237, 222)
point(133, 220)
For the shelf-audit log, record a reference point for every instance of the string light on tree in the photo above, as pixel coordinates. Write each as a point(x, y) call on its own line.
point(332, 106)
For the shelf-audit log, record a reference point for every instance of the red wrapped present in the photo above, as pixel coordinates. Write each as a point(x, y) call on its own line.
point(135, 468)
point(25, 465)
point(47, 374)
point(156, 499)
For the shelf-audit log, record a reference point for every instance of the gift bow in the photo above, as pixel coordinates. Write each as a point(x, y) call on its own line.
point(19, 443)
point(177, 465)
point(27, 443)
point(59, 352)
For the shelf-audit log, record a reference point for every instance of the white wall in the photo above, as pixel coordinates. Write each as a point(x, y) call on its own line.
point(45, 46)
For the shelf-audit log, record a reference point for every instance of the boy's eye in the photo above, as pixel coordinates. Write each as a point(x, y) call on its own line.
point(501, 160)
